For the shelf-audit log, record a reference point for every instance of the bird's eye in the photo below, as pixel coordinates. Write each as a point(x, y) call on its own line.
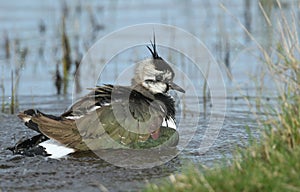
point(149, 81)
point(159, 78)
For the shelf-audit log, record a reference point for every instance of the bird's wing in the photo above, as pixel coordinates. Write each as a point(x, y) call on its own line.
point(125, 118)
point(97, 98)
point(129, 120)
point(64, 131)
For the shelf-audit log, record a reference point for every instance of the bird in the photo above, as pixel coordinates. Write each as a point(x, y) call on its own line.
point(138, 116)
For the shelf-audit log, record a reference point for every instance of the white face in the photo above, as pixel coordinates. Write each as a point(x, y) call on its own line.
point(151, 78)
point(155, 87)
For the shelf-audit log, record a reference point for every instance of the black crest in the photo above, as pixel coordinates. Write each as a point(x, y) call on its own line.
point(153, 50)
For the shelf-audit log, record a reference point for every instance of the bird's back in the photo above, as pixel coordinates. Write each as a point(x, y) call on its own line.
point(113, 117)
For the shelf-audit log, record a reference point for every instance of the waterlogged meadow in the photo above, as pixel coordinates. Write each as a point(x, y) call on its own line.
point(254, 44)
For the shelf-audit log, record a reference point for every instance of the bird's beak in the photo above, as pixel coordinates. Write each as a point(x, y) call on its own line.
point(176, 87)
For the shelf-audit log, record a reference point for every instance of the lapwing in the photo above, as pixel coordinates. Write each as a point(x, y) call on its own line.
point(139, 116)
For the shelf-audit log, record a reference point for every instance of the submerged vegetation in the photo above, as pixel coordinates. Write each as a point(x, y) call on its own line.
point(18, 58)
point(66, 49)
point(272, 163)
point(66, 60)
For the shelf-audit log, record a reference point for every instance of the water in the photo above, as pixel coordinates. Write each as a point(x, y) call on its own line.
point(89, 173)
point(33, 28)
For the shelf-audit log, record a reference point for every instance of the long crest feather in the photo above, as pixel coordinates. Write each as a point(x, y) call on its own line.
point(153, 50)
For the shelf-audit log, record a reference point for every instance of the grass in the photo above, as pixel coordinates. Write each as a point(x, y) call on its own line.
point(272, 163)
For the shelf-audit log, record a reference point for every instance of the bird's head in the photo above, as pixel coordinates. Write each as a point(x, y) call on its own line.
point(155, 74)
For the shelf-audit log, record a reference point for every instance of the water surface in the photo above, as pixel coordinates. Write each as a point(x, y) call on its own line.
point(34, 28)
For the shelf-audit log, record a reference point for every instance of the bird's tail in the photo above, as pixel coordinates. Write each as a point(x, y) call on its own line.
point(27, 116)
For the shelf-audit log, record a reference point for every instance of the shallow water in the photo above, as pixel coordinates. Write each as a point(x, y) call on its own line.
point(88, 172)
point(236, 55)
